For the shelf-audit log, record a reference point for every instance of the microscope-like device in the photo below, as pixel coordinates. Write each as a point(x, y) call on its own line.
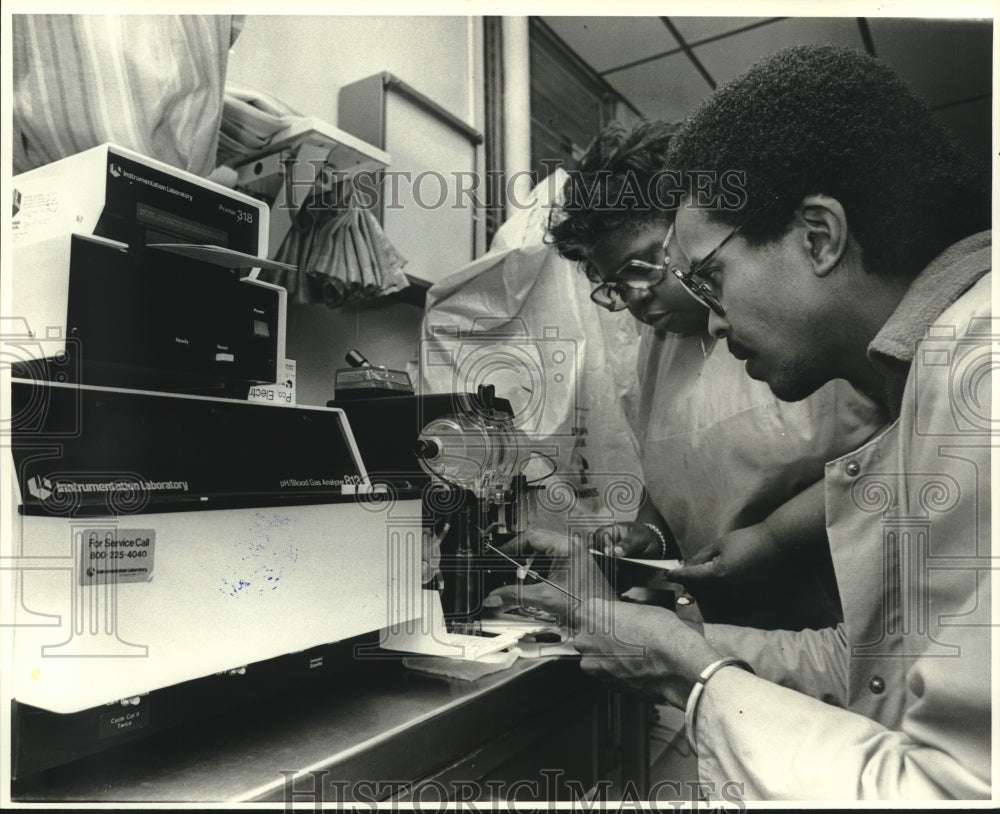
point(476, 458)
point(464, 456)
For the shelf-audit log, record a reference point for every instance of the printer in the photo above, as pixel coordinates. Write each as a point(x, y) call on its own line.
point(170, 549)
point(130, 272)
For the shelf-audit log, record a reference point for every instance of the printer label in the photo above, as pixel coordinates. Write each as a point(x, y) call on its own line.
point(39, 213)
point(109, 554)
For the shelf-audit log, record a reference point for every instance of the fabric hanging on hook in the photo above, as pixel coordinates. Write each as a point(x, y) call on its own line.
point(341, 253)
point(295, 250)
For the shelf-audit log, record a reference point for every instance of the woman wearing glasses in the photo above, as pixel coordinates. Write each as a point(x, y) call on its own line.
point(732, 474)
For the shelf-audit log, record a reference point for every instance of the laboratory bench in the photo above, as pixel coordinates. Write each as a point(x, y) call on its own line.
point(539, 730)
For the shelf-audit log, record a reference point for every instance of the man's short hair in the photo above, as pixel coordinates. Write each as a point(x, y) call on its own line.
point(832, 120)
point(618, 185)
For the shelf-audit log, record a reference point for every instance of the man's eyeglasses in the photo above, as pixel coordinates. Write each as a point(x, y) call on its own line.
point(635, 275)
point(693, 279)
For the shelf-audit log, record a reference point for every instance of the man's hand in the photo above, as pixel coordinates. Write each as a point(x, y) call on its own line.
point(742, 559)
point(541, 541)
point(645, 648)
point(574, 574)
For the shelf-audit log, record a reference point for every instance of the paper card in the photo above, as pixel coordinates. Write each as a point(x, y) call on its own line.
point(217, 255)
point(661, 565)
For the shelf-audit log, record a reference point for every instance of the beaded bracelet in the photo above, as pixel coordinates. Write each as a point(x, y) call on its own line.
point(699, 685)
point(663, 540)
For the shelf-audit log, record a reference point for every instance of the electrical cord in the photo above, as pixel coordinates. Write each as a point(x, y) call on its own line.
point(547, 475)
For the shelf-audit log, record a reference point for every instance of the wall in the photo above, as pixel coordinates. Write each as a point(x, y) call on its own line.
point(386, 332)
point(305, 61)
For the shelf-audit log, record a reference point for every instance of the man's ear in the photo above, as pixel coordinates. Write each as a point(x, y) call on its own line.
point(824, 231)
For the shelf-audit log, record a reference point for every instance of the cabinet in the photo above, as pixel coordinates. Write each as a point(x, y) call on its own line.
point(540, 730)
point(432, 201)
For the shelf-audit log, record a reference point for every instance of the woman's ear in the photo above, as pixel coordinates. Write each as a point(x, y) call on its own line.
point(824, 230)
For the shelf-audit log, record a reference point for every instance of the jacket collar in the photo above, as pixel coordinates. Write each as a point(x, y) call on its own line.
point(932, 292)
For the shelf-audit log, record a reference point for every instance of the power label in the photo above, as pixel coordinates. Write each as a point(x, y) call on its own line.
point(116, 555)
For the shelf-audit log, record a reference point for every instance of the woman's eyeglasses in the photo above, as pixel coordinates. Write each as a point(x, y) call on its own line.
point(635, 275)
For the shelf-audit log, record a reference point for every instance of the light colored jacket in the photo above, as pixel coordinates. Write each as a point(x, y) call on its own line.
point(906, 677)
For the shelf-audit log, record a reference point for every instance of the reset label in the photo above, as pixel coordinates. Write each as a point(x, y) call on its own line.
point(116, 555)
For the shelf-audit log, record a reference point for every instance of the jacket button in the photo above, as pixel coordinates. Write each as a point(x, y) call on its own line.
point(877, 685)
point(853, 468)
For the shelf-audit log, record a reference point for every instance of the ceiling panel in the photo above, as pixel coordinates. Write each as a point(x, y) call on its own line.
point(970, 122)
point(727, 58)
point(668, 88)
point(694, 29)
point(607, 42)
point(944, 60)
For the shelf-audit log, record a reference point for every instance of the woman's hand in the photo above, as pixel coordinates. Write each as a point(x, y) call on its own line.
point(633, 539)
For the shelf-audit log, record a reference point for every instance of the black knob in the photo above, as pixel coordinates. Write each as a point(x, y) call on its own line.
point(487, 395)
point(355, 359)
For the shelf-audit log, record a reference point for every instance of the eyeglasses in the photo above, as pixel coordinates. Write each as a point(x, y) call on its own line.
point(697, 286)
point(635, 275)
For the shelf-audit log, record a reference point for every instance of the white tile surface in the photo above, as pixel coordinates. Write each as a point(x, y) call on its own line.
point(606, 42)
point(668, 88)
point(727, 58)
point(944, 60)
point(695, 29)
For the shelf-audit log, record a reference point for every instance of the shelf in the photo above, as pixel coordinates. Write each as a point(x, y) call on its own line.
point(309, 139)
point(307, 142)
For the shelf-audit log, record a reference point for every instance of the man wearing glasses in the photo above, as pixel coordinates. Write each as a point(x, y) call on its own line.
point(860, 252)
point(732, 473)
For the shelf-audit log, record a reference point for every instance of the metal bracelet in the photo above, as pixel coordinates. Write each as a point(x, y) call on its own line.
point(663, 539)
point(691, 708)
